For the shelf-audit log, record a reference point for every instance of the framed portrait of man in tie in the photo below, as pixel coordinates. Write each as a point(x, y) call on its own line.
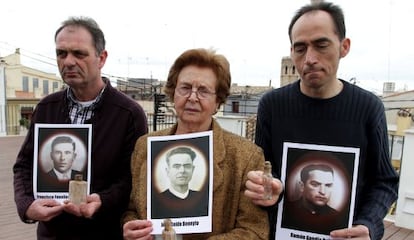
point(61, 152)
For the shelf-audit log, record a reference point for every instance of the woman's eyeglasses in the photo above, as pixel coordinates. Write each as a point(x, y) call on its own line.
point(201, 93)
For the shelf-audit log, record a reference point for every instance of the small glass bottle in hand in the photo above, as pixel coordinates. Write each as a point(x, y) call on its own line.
point(168, 233)
point(267, 181)
point(77, 190)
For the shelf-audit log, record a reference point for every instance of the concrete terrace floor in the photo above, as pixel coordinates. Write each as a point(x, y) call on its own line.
point(11, 228)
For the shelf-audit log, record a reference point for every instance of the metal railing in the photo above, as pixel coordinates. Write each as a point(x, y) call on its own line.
point(162, 121)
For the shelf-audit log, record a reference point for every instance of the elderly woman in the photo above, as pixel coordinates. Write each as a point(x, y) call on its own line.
point(199, 82)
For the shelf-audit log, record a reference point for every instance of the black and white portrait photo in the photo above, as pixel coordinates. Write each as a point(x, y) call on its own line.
point(180, 180)
point(61, 152)
point(319, 189)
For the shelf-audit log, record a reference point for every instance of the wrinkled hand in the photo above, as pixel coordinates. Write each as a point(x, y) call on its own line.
point(358, 232)
point(44, 209)
point(255, 190)
point(138, 230)
point(88, 209)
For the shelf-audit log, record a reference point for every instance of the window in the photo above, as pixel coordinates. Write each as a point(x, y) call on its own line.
point(396, 146)
point(55, 86)
point(45, 87)
point(35, 83)
point(235, 107)
point(25, 84)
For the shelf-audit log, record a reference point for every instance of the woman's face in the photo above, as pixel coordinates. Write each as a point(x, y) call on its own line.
point(195, 99)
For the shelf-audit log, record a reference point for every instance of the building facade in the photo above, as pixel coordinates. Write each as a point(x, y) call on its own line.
point(243, 100)
point(22, 88)
point(288, 72)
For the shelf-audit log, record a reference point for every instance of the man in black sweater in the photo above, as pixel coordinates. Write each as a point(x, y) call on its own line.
point(322, 109)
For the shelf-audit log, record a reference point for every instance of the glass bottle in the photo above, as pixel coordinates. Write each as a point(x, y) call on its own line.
point(267, 181)
point(168, 233)
point(77, 190)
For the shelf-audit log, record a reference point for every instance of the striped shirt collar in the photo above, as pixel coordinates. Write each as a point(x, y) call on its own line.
point(79, 112)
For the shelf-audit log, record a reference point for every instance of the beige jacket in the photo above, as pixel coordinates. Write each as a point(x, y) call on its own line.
point(234, 215)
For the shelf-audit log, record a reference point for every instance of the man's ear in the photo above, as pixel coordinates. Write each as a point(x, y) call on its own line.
point(102, 57)
point(301, 186)
point(345, 47)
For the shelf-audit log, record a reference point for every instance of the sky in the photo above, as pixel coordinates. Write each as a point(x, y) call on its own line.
point(144, 37)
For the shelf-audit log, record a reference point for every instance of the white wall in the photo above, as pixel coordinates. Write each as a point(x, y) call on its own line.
point(405, 203)
point(234, 124)
point(3, 131)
